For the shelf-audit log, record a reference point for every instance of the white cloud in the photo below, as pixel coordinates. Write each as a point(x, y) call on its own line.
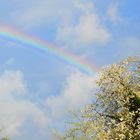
point(14, 111)
point(29, 17)
point(10, 61)
point(113, 13)
point(41, 12)
point(87, 30)
point(129, 46)
point(84, 6)
point(75, 21)
point(78, 91)
point(132, 42)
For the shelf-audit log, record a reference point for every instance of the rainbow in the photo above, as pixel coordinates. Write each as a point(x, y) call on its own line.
point(13, 34)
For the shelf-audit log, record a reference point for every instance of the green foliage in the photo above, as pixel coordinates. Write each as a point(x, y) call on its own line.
point(5, 138)
point(116, 113)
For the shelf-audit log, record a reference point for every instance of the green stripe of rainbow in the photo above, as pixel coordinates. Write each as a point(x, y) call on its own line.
point(34, 42)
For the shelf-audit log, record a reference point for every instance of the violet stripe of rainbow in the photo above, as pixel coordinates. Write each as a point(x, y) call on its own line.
point(34, 42)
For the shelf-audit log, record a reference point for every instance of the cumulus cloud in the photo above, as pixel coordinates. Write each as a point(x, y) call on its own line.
point(87, 31)
point(78, 91)
point(88, 28)
point(15, 111)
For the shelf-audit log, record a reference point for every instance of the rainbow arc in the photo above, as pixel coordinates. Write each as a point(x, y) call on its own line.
point(15, 35)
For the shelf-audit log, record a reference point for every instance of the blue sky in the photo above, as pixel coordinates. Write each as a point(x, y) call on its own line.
point(36, 88)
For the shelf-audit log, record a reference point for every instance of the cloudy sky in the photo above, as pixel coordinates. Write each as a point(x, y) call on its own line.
point(36, 87)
